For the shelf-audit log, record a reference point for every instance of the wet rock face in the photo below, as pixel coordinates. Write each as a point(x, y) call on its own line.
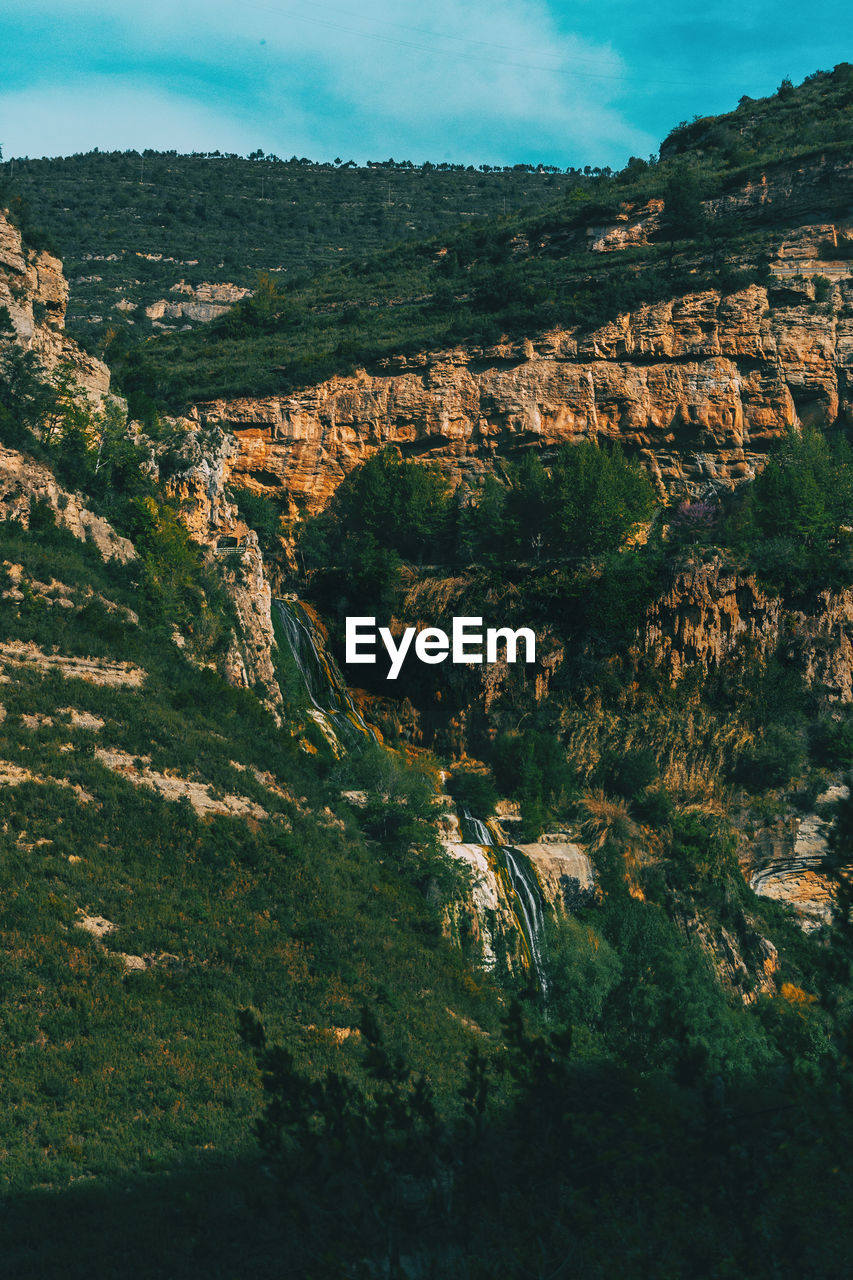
point(699, 387)
point(35, 292)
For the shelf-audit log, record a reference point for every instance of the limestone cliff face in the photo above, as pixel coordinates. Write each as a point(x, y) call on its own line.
point(699, 387)
point(710, 612)
point(35, 292)
point(195, 471)
point(249, 662)
point(785, 859)
point(201, 461)
point(22, 480)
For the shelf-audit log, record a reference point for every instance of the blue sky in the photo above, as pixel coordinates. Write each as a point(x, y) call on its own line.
point(476, 81)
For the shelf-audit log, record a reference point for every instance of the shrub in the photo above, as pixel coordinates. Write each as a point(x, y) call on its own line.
point(474, 790)
point(772, 761)
point(626, 773)
point(261, 514)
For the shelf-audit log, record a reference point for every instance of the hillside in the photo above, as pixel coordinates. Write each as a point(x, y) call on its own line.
point(500, 967)
point(147, 233)
point(699, 220)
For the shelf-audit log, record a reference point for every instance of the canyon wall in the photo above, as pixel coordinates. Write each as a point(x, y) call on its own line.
point(34, 291)
point(699, 387)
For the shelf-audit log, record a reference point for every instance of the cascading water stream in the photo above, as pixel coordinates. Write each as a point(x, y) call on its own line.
point(333, 710)
point(528, 896)
point(343, 725)
point(526, 892)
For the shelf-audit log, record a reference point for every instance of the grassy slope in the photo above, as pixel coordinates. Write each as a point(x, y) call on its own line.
point(225, 218)
point(108, 1071)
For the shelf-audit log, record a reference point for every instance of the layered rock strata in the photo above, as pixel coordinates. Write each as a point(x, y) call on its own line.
point(699, 387)
point(34, 291)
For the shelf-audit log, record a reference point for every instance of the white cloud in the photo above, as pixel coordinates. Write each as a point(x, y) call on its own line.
point(486, 79)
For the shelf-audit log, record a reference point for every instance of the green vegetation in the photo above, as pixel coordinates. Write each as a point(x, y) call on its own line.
point(703, 1107)
point(794, 521)
point(355, 299)
point(426, 296)
point(298, 980)
point(474, 790)
point(131, 225)
point(275, 913)
point(226, 910)
point(260, 513)
point(389, 511)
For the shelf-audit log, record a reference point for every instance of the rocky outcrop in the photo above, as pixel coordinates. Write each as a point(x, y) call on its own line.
point(710, 611)
point(745, 962)
point(24, 481)
point(783, 193)
point(787, 860)
point(196, 468)
point(35, 292)
point(699, 387)
point(249, 661)
point(199, 303)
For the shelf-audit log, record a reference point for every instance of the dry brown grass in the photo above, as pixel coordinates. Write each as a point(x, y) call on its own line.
point(693, 746)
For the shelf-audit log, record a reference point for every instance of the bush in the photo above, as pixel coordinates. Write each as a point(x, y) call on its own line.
point(772, 761)
point(626, 773)
point(399, 506)
point(831, 742)
point(474, 790)
point(653, 807)
point(261, 514)
point(532, 767)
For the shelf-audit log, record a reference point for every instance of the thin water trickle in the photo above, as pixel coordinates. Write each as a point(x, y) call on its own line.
point(526, 892)
point(334, 711)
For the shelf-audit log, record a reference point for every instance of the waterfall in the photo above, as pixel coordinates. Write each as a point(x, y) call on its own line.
point(332, 708)
point(525, 891)
point(481, 831)
point(502, 873)
point(528, 895)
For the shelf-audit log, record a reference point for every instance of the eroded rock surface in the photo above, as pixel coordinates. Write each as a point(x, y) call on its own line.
point(699, 387)
point(710, 611)
point(23, 480)
point(35, 292)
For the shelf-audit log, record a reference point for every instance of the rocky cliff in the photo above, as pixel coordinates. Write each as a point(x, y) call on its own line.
point(24, 481)
point(35, 292)
point(710, 612)
point(699, 387)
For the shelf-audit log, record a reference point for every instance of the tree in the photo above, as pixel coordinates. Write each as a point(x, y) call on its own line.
point(683, 213)
point(401, 506)
point(595, 497)
point(798, 510)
